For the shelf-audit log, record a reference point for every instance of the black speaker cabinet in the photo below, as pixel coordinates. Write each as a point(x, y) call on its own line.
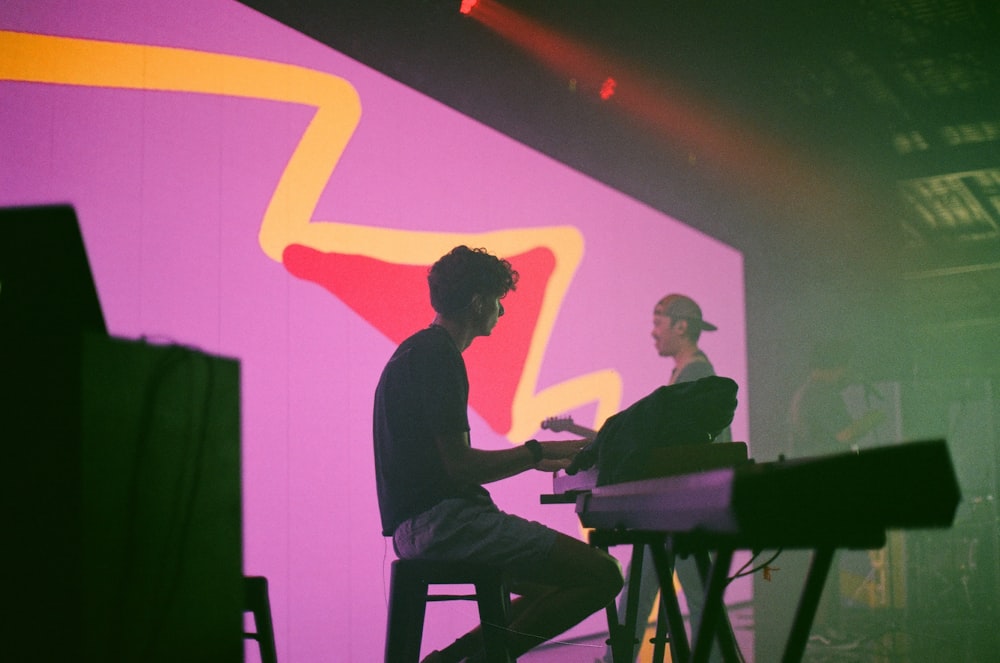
point(121, 501)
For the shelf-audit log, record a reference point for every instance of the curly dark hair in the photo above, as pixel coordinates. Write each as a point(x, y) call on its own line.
point(462, 273)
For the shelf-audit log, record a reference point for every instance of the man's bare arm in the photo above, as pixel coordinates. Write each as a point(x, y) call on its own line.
point(482, 466)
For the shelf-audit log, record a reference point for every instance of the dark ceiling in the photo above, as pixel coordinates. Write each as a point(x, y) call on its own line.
point(851, 136)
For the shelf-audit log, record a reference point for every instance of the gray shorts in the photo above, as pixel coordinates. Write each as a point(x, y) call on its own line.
point(474, 530)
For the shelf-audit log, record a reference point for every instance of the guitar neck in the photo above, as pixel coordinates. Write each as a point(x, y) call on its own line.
point(567, 425)
point(582, 431)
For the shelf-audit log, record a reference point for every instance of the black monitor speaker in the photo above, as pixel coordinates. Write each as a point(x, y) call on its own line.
point(46, 284)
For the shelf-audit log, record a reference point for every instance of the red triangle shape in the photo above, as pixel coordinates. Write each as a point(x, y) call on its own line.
point(393, 298)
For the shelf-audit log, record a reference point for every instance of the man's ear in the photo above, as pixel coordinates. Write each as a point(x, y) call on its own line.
point(476, 305)
point(682, 325)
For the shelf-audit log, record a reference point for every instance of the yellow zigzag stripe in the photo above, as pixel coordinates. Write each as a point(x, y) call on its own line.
point(288, 218)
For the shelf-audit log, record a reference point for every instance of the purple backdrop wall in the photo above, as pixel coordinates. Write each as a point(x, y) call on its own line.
point(189, 172)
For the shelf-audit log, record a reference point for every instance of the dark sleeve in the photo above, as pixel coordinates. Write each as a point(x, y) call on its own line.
point(443, 388)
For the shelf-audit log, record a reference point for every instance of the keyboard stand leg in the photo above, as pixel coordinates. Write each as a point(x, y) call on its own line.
point(728, 646)
point(616, 634)
point(621, 637)
point(623, 647)
point(714, 609)
point(662, 636)
point(680, 651)
point(819, 568)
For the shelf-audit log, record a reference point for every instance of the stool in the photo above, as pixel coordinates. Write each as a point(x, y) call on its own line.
point(256, 601)
point(408, 597)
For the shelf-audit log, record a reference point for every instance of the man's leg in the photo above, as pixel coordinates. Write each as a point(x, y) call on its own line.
point(572, 583)
point(560, 580)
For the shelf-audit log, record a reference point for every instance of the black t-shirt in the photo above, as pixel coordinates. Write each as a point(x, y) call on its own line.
point(423, 392)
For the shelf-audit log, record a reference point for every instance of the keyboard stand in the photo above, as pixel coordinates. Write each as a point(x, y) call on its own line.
point(670, 622)
point(621, 636)
point(715, 622)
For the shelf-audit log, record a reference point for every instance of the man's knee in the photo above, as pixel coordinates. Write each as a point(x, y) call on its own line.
point(603, 573)
point(574, 563)
point(609, 576)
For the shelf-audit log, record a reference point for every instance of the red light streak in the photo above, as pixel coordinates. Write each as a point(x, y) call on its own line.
point(607, 88)
point(677, 115)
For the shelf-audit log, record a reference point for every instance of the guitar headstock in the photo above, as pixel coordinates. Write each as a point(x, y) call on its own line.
point(559, 424)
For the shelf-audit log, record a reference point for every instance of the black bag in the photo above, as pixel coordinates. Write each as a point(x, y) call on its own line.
point(679, 414)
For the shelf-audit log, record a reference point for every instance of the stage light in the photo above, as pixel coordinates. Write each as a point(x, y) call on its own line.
point(608, 88)
point(689, 124)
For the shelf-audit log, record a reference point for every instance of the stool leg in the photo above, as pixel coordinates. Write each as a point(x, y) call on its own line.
point(494, 615)
point(260, 604)
point(407, 606)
